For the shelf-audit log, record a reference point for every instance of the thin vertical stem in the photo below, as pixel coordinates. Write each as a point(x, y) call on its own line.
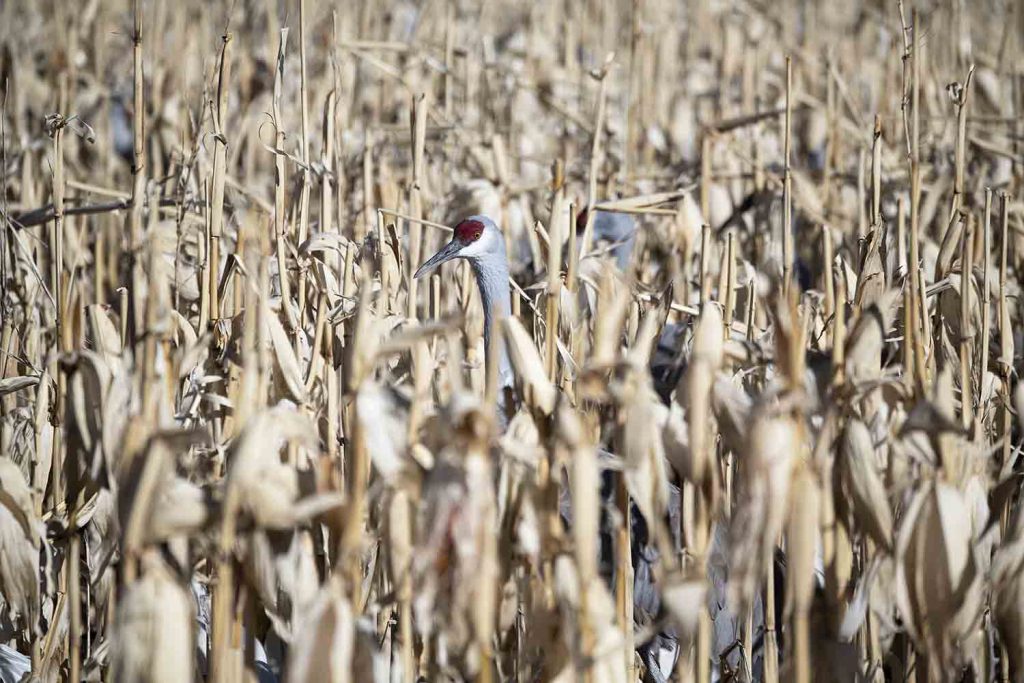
point(595, 152)
point(876, 175)
point(632, 115)
point(624, 572)
point(960, 150)
point(909, 328)
point(917, 285)
point(57, 274)
point(574, 254)
point(839, 330)
point(303, 228)
point(787, 190)
point(771, 643)
point(327, 178)
point(729, 296)
point(1005, 370)
point(705, 264)
point(138, 176)
point(966, 326)
point(828, 254)
point(986, 302)
point(555, 236)
point(707, 138)
point(1005, 336)
point(74, 590)
point(280, 208)
point(418, 128)
point(219, 172)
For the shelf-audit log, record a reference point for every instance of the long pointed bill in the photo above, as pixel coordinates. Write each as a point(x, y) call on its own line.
point(447, 253)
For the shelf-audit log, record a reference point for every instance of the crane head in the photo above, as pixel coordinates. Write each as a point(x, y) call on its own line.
point(476, 238)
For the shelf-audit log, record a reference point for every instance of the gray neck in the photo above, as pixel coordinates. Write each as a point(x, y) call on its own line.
point(492, 278)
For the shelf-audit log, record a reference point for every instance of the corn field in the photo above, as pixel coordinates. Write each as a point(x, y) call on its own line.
point(719, 382)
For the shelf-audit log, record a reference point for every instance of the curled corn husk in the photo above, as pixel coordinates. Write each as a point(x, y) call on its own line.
point(862, 485)
point(154, 642)
point(323, 650)
point(20, 539)
point(529, 367)
point(772, 448)
point(704, 363)
point(939, 587)
point(1008, 590)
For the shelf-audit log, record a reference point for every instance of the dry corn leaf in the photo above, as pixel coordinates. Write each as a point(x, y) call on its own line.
point(325, 643)
point(802, 540)
point(675, 435)
point(287, 363)
point(323, 241)
point(862, 485)
point(864, 345)
point(871, 284)
point(939, 588)
point(141, 486)
point(585, 486)
point(19, 545)
point(687, 224)
point(529, 367)
point(704, 363)
point(282, 567)
point(1008, 590)
point(384, 415)
point(772, 447)
point(16, 496)
point(9, 385)
point(643, 417)
point(645, 201)
point(606, 664)
point(180, 508)
point(732, 406)
point(267, 489)
point(685, 600)
point(106, 339)
point(613, 300)
point(155, 621)
point(413, 334)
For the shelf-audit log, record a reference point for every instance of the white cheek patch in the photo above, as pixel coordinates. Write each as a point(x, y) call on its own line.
point(474, 249)
point(489, 241)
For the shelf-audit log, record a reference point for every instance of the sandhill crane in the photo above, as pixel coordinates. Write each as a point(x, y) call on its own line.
point(617, 228)
point(478, 240)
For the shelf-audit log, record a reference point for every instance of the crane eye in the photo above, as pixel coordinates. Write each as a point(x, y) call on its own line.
point(469, 231)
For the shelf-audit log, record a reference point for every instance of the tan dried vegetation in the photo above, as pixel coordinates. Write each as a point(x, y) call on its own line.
point(240, 442)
